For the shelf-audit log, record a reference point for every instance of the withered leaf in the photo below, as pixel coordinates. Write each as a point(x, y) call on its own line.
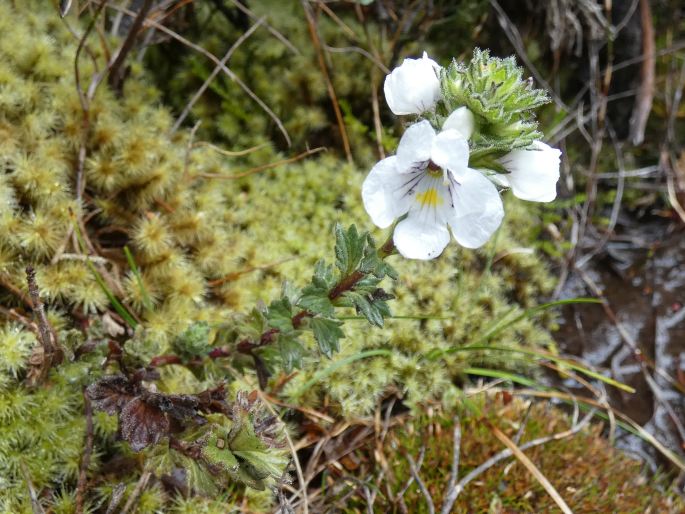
point(111, 393)
point(142, 424)
point(178, 406)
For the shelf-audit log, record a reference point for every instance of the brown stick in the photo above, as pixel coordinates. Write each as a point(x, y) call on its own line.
point(329, 84)
point(643, 100)
point(116, 75)
point(49, 346)
point(85, 460)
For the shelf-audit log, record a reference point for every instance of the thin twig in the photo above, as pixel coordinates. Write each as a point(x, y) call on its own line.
point(36, 507)
point(85, 459)
point(413, 469)
point(140, 486)
point(117, 495)
point(454, 473)
point(215, 72)
point(271, 29)
point(230, 153)
point(263, 167)
point(216, 61)
point(116, 75)
point(504, 454)
point(316, 40)
point(189, 147)
point(46, 333)
point(643, 100)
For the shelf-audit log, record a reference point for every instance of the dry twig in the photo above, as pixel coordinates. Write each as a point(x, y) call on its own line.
point(85, 459)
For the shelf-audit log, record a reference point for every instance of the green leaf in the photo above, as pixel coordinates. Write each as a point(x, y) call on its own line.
point(280, 315)
point(217, 453)
point(372, 310)
point(327, 333)
point(372, 263)
point(323, 275)
point(316, 300)
point(194, 341)
point(349, 248)
point(289, 291)
point(342, 257)
point(291, 352)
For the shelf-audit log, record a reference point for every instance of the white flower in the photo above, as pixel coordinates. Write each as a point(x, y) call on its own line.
point(533, 172)
point(413, 87)
point(413, 183)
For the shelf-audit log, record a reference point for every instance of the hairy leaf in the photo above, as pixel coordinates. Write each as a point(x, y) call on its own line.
point(327, 333)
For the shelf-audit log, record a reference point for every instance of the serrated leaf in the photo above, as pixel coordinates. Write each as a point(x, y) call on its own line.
point(349, 248)
point(323, 275)
point(368, 284)
point(316, 300)
point(342, 258)
point(289, 291)
point(372, 310)
point(280, 315)
point(262, 464)
point(327, 333)
point(217, 453)
point(291, 352)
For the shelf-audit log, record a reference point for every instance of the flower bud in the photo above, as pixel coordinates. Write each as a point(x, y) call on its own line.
point(413, 87)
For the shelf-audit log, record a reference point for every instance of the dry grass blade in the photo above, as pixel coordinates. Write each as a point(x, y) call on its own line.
point(229, 153)
point(215, 72)
point(505, 454)
point(641, 432)
point(263, 167)
point(530, 466)
point(314, 33)
point(271, 29)
point(151, 23)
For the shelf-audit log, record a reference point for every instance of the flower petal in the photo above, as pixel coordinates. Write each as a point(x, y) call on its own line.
point(477, 209)
point(461, 120)
point(450, 151)
point(416, 239)
point(413, 87)
point(534, 172)
point(414, 150)
point(383, 194)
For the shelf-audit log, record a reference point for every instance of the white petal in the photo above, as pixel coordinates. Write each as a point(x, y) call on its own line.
point(450, 150)
point(414, 150)
point(382, 193)
point(416, 239)
point(534, 172)
point(413, 87)
point(461, 120)
point(478, 210)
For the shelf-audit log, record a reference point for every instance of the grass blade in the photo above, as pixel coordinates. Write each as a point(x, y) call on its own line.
point(530, 466)
point(321, 374)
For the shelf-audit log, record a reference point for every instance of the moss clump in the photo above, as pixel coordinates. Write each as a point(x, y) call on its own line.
point(589, 474)
point(202, 250)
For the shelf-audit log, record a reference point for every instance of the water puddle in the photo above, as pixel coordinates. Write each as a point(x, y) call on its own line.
point(642, 274)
